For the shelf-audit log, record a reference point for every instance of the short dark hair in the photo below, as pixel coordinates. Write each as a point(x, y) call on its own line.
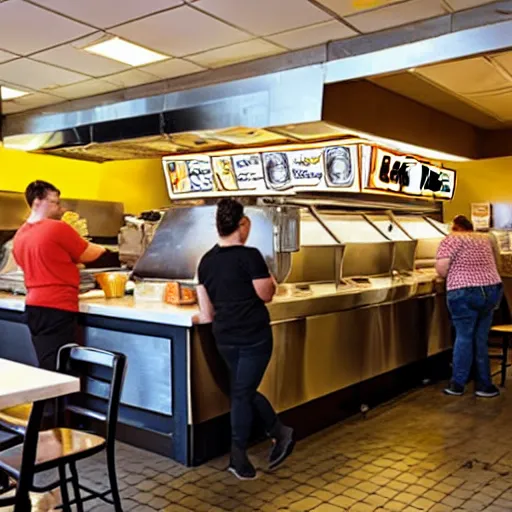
point(463, 223)
point(39, 190)
point(229, 214)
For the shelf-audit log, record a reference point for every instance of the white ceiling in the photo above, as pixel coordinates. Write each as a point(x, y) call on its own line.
point(42, 41)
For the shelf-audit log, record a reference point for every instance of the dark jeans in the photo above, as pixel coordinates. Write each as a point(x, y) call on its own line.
point(247, 365)
point(472, 312)
point(50, 329)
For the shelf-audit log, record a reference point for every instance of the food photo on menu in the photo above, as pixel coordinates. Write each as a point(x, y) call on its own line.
point(224, 174)
point(339, 171)
point(277, 171)
point(194, 175)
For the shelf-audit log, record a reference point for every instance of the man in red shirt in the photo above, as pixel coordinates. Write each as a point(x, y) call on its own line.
point(48, 251)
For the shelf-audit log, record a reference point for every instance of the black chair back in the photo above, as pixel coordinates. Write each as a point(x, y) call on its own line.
point(101, 375)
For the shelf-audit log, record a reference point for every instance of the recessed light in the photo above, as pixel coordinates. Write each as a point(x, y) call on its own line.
point(125, 52)
point(10, 94)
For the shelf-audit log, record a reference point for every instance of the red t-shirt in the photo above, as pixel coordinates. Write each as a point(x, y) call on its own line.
point(48, 252)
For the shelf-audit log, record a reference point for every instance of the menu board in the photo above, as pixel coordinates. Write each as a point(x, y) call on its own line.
point(345, 166)
point(408, 175)
point(189, 176)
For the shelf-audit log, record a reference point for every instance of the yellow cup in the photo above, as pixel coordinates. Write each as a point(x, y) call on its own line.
point(113, 284)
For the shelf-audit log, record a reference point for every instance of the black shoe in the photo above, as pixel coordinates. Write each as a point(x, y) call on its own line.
point(454, 389)
point(284, 442)
point(240, 465)
point(490, 391)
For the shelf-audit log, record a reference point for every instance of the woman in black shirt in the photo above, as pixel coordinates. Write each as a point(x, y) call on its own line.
point(234, 285)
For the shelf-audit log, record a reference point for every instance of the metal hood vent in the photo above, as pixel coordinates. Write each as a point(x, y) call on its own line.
point(214, 117)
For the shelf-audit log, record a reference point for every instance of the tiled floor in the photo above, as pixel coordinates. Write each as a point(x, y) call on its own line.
point(423, 452)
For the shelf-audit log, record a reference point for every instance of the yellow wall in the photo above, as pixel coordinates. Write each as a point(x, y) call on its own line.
point(139, 184)
point(480, 181)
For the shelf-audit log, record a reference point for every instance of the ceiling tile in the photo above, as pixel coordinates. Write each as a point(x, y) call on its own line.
point(36, 75)
point(459, 5)
point(498, 104)
point(467, 76)
point(310, 36)
point(131, 78)
point(505, 60)
point(172, 68)
point(264, 17)
point(29, 102)
point(104, 14)
point(180, 32)
point(72, 56)
point(85, 89)
point(5, 56)
point(396, 15)
point(240, 52)
point(26, 28)
point(347, 7)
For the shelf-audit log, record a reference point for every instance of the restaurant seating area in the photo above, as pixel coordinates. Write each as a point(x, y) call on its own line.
point(424, 451)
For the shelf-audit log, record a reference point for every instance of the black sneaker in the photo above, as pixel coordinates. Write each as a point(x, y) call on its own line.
point(490, 391)
point(454, 389)
point(284, 442)
point(240, 465)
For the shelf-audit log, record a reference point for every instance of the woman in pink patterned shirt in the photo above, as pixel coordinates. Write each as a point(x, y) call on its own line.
point(466, 259)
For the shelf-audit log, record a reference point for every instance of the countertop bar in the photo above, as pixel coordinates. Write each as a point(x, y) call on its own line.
point(94, 303)
point(322, 298)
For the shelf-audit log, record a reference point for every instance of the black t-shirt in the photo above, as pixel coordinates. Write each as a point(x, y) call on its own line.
point(241, 317)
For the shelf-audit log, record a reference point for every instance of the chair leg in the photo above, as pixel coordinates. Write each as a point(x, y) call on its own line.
point(112, 475)
point(504, 362)
point(64, 489)
point(76, 488)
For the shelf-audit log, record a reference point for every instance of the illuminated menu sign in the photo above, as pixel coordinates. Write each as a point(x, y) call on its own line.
point(407, 175)
point(347, 166)
point(267, 173)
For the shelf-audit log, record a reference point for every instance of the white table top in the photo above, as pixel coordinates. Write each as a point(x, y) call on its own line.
point(20, 384)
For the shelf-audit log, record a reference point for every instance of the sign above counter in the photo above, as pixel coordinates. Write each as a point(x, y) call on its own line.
point(348, 165)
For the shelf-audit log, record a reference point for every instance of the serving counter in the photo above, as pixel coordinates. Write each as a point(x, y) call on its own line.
point(330, 342)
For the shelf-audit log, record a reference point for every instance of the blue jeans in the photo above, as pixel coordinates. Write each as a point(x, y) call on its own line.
point(247, 365)
point(472, 312)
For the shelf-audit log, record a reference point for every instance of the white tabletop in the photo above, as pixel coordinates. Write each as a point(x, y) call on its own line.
point(20, 384)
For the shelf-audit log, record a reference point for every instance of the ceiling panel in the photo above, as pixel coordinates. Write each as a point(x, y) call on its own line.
point(459, 5)
point(240, 52)
point(413, 86)
point(87, 88)
point(72, 56)
point(312, 35)
point(36, 75)
point(5, 56)
point(264, 17)
point(172, 68)
point(31, 101)
point(504, 60)
point(26, 28)
point(107, 13)
point(396, 15)
point(180, 32)
point(347, 7)
point(499, 104)
point(132, 78)
point(468, 76)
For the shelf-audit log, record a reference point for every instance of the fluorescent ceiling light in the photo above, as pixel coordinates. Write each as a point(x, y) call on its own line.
point(125, 52)
point(10, 94)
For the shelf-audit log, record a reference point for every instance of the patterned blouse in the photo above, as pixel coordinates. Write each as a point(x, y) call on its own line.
point(472, 261)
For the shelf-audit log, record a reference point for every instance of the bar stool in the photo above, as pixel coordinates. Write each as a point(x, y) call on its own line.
point(505, 331)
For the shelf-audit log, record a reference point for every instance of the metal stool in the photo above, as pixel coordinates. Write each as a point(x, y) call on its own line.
point(505, 331)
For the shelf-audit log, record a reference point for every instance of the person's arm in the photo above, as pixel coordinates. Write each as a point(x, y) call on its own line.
point(92, 253)
point(206, 311)
point(443, 266)
point(263, 282)
point(445, 253)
